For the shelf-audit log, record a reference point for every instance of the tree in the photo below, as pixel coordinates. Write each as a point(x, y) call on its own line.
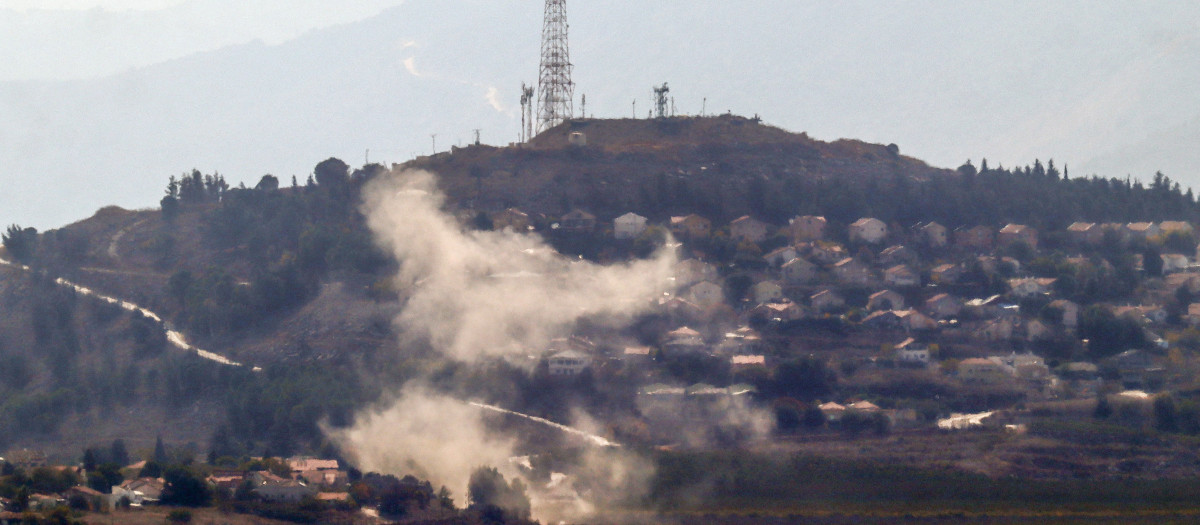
point(20, 242)
point(1152, 262)
point(268, 182)
point(160, 450)
point(118, 453)
point(805, 379)
point(185, 488)
point(1103, 408)
point(487, 488)
point(1165, 414)
point(332, 173)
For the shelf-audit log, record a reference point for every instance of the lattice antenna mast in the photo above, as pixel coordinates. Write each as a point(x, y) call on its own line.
point(556, 92)
point(660, 100)
point(526, 112)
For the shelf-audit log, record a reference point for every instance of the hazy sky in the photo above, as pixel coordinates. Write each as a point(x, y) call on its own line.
point(102, 100)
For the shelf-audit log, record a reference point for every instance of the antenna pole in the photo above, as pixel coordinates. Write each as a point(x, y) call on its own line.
point(556, 91)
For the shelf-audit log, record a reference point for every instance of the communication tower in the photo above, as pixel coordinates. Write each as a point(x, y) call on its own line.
point(556, 92)
point(526, 112)
point(660, 100)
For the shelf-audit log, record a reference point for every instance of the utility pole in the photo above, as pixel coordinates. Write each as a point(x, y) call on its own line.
point(434, 137)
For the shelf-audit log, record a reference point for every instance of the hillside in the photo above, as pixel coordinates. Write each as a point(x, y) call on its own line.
point(288, 278)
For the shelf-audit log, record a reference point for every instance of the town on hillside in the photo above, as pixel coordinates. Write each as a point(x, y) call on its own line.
point(994, 318)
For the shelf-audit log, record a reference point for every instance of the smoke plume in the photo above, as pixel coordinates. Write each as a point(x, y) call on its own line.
point(480, 294)
point(474, 296)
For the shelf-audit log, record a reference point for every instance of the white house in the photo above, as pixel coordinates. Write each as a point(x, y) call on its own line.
point(781, 255)
point(629, 226)
point(901, 275)
point(909, 351)
point(690, 271)
point(568, 363)
point(885, 300)
point(706, 293)
point(747, 228)
point(767, 291)
point(868, 229)
point(799, 270)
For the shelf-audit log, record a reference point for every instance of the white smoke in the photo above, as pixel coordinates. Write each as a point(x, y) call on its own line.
point(480, 294)
point(473, 296)
point(425, 434)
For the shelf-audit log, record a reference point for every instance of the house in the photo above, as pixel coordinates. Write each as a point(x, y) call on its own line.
point(897, 254)
point(1080, 370)
point(1175, 227)
point(942, 306)
point(781, 255)
point(1179, 227)
point(913, 320)
point(979, 370)
point(636, 354)
point(868, 229)
point(691, 226)
point(283, 491)
point(1070, 312)
point(1035, 330)
point(690, 271)
point(832, 411)
point(1175, 281)
point(1003, 265)
point(885, 300)
point(1085, 233)
point(318, 472)
point(911, 352)
point(578, 221)
point(706, 293)
point(1030, 286)
point(826, 301)
point(978, 238)
point(744, 340)
point(140, 491)
point(932, 234)
point(997, 330)
point(742, 362)
point(747, 228)
point(883, 320)
point(767, 292)
point(850, 271)
point(1137, 368)
point(511, 219)
point(568, 363)
point(1173, 262)
point(863, 406)
point(984, 307)
point(1193, 315)
point(1142, 314)
point(94, 498)
point(780, 311)
point(806, 228)
point(683, 335)
point(629, 226)
point(826, 252)
point(798, 271)
point(1023, 366)
point(901, 275)
point(946, 273)
point(1017, 233)
point(1142, 230)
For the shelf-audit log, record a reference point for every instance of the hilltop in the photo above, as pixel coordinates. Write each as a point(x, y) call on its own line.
point(720, 167)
